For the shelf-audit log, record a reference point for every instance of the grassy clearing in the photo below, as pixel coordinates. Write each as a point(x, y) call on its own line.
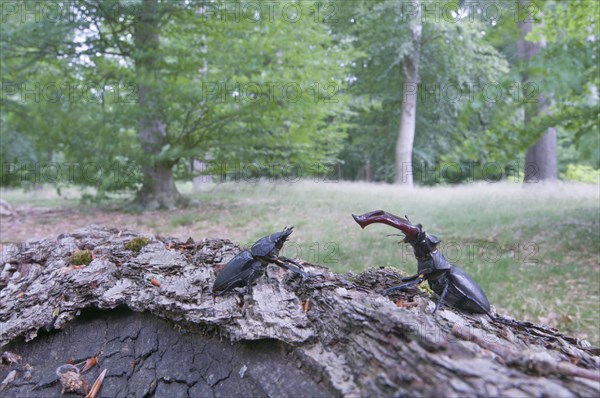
point(533, 249)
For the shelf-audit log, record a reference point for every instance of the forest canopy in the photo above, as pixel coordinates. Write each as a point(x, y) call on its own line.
point(123, 96)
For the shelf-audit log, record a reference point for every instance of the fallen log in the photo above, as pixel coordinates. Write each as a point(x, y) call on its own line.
point(144, 310)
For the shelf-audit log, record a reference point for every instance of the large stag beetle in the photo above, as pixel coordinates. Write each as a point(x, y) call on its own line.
point(248, 265)
point(450, 282)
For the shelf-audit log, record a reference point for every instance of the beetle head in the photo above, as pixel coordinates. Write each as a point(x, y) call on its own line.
point(425, 244)
point(281, 237)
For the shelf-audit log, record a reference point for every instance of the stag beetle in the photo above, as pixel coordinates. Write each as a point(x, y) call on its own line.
point(450, 282)
point(248, 265)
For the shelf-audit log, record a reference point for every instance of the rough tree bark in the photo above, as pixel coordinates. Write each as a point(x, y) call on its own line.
point(152, 320)
point(541, 158)
point(408, 117)
point(158, 187)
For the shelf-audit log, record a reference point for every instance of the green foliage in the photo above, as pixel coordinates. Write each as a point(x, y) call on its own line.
point(581, 173)
point(277, 94)
point(455, 59)
point(136, 244)
point(564, 75)
point(322, 91)
point(81, 257)
point(15, 148)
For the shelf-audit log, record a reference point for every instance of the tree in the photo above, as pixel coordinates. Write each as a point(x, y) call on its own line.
point(571, 33)
point(406, 132)
point(167, 92)
point(158, 187)
point(564, 70)
point(455, 57)
point(540, 160)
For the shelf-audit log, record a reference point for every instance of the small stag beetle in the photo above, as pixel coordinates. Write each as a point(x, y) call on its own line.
point(450, 282)
point(248, 265)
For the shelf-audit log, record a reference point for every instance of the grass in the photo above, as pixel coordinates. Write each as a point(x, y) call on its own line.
point(533, 249)
point(181, 219)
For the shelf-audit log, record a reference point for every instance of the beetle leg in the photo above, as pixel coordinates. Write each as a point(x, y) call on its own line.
point(295, 270)
point(225, 289)
point(256, 266)
point(442, 298)
point(410, 278)
point(412, 283)
point(289, 260)
point(248, 285)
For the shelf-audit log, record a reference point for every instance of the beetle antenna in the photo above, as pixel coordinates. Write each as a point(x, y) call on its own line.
point(402, 241)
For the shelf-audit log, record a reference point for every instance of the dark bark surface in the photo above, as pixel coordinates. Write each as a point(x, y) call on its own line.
point(147, 356)
point(155, 326)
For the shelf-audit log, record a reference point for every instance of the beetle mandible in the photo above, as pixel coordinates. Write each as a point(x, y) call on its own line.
point(248, 265)
point(450, 282)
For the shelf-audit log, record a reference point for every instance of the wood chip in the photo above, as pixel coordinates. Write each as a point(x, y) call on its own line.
point(89, 363)
point(306, 305)
point(97, 385)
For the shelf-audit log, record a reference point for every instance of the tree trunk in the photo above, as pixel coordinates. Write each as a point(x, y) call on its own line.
point(200, 180)
point(158, 190)
point(369, 171)
point(158, 187)
point(541, 159)
point(331, 335)
point(406, 132)
point(365, 172)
